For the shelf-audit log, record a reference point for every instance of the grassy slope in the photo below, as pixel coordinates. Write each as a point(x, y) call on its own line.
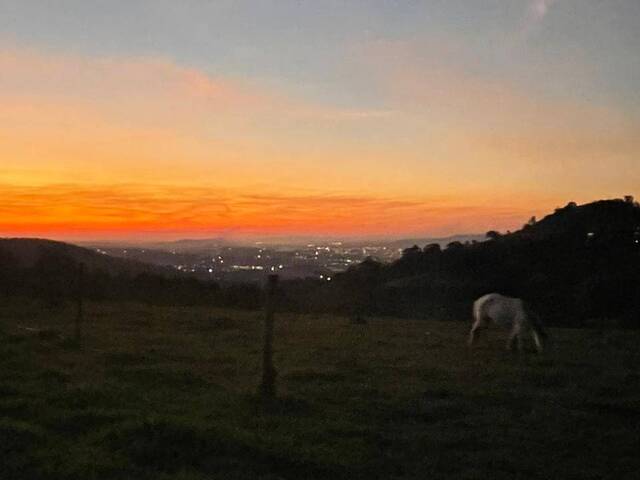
point(164, 393)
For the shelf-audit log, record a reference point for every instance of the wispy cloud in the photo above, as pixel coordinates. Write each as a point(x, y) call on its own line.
point(75, 118)
point(153, 89)
point(539, 8)
point(537, 11)
point(469, 106)
point(65, 210)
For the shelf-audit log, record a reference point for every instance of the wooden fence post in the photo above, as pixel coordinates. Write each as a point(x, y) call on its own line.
point(80, 301)
point(268, 386)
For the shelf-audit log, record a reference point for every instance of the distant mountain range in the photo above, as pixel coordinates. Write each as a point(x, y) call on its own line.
point(208, 244)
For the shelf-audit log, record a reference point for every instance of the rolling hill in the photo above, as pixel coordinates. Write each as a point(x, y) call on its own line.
point(578, 265)
point(27, 252)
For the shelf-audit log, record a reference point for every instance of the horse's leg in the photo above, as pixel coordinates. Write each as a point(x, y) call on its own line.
point(536, 339)
point(473, 333)
point(520, 342)
point(475, 330)
point(520, 328)
point(513, 336)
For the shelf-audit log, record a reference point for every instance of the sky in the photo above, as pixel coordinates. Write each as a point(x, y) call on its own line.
point(160, 119)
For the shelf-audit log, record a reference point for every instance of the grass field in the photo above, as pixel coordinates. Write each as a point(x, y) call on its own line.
point(169, 393)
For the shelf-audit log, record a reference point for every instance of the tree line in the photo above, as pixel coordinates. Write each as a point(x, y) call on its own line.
point(579, 266)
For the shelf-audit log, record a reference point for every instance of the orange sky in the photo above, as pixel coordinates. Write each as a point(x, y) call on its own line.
point(137, 211)
point(145, 146)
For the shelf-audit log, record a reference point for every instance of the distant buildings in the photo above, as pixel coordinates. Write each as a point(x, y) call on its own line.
point(241, 264)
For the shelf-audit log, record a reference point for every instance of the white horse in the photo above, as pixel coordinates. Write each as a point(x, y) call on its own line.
point(507, 312)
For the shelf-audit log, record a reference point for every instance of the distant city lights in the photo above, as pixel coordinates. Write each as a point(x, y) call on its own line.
point(247, 264)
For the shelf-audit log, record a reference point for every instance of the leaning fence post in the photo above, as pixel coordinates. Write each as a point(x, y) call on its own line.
point(79, 300)
point(268, 386)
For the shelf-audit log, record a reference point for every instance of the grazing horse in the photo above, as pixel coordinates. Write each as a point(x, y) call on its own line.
point(507, 312)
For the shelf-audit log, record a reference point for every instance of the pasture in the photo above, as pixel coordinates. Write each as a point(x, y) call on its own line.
point(169, 393)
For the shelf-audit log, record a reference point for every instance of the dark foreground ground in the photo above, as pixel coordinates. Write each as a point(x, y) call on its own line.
point(168, 393)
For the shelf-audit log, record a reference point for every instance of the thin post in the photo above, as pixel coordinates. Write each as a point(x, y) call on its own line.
point(268, 386)
point(80, 301)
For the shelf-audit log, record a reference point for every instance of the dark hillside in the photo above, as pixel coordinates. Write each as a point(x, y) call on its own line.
point(49, 271)
point(577, 266)
point(604, 217)
point(28, 252)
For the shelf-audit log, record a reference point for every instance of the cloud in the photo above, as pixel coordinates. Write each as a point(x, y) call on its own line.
point(539, 8)
point(464, 103)
point(153, 90)
point(452, 148)
point(74, 118)
point(537, 11)
point(106, 81)
point(66, 210)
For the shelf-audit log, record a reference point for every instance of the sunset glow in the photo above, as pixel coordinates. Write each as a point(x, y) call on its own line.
point(290, 118)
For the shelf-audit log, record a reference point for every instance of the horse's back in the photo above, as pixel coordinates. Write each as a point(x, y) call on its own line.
point(487, 302)
point(497, 308)
point(482, 305)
